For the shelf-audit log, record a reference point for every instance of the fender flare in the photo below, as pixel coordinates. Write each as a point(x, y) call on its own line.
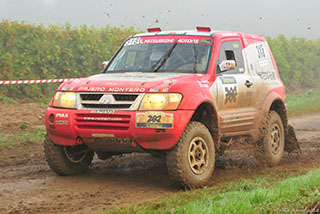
point(213, 124)
point(271, 99)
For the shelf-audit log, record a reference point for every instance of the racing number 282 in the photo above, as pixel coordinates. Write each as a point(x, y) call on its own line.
point(154, 119)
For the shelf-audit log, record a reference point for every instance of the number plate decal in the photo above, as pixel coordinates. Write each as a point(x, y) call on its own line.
point(151, 119)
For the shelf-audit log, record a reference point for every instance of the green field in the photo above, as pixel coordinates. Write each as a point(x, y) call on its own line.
point(269, 194)
point(303, 103)
point(8, 139)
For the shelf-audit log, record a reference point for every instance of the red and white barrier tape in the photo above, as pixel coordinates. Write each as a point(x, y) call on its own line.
point(12, 82)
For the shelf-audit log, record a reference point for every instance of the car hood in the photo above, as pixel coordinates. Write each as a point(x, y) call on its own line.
point(134, 82)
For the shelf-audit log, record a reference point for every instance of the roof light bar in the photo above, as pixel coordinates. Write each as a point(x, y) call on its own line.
point(204, 29)
point(155, 29)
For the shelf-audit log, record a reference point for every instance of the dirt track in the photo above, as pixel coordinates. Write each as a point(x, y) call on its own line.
point(28, 186)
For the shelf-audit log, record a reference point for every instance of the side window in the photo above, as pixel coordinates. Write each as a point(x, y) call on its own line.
point(231, 50)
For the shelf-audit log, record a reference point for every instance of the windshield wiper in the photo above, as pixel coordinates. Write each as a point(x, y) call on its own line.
point(195, 55)
point(163, 59)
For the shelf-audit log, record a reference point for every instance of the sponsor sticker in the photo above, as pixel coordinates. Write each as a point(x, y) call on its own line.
point(230, 94)
point(132, 41)
point(154, 120)
point(103, 111)
point(165, 89)
point(261, 51)
point(228, 80)
point(203, 84)
point(86, 88)
point(154, 90)
point(263, 62)
point(168, 40)
point(268, 75)
point(101, 135)
point(62, 122)
point(126, 90)
point(115, 141)
point(110, 89)
point(206, 41)
point(103, 118)
point(62, 115)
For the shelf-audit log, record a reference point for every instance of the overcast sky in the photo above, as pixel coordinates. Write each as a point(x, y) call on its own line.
point(267, 17)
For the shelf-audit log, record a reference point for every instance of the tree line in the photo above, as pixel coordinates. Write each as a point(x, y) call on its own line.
point(298, 61)
point(29, 51)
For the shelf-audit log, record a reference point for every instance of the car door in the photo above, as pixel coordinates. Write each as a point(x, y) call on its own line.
point(234, 91)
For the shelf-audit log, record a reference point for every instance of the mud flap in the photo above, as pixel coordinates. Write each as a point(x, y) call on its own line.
point(291, 142)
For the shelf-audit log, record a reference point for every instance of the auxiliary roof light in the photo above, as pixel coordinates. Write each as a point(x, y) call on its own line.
point(155, 29)
point(204, 29)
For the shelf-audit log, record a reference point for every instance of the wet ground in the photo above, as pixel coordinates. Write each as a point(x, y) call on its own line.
point(27, 185)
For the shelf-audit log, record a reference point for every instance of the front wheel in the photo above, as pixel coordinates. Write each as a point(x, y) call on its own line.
point(191, 162)
point(270, 148)
point(67, 160)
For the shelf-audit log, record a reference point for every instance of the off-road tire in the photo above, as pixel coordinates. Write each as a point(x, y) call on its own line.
point(178, 158)
point(59, 162)
point(269, 150)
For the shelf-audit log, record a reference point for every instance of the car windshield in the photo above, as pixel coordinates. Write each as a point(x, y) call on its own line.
point(187, 54)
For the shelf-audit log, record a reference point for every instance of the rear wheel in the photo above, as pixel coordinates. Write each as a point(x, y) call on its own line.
point(191, 161)
point(270, 148)
point(67, 160)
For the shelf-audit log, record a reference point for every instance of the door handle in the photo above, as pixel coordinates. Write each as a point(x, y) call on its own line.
point(248, 83)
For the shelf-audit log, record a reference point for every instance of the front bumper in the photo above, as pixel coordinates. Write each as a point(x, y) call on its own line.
point(87, 125)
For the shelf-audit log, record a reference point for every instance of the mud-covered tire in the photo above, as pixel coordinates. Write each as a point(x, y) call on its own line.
point(187, 162)
point(269, 150)
point(59, 161)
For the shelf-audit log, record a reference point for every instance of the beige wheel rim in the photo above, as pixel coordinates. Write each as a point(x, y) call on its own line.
point(73, 155)
point(275, 139)
point(198, 155)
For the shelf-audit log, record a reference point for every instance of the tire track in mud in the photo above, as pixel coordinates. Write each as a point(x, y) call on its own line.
point(27, 185)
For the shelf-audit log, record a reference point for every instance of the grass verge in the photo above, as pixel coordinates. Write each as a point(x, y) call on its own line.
point(270, 194)
point(8, 139)
point(7, 101)
point(303, 103)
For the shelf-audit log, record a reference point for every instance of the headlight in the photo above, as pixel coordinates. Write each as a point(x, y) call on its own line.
point(158, 101)
point(65, 100)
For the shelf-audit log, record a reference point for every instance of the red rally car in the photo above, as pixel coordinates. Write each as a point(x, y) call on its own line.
point(180, 94)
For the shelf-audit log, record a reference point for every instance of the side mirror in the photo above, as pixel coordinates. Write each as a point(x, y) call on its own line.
point(227, 65)
point(105, 63)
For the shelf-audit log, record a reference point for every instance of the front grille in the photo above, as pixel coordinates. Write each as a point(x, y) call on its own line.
point(102, 121)
point(109, 101)
point(91, 96)
point(117, 106)
point(125, 97)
